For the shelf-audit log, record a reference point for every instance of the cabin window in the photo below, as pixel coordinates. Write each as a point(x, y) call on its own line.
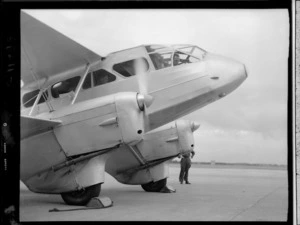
point(65, 87)
point(87, 82)
point(102, 77)
point(132, 67)
point(161, 60)
point(30, 97)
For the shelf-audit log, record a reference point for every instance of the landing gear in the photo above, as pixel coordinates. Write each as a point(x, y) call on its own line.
point(155, 186)
point(81, 197)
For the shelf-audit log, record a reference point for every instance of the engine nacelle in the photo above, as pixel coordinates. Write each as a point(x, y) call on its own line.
point(159, 145)
point(185, 131)
point(130, 116)
point(169, 140)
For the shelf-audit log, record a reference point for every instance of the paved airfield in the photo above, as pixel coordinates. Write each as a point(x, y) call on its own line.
point(216, 194)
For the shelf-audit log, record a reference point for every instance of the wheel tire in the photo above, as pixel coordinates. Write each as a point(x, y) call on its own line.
point(154, 186)
point(81, 197)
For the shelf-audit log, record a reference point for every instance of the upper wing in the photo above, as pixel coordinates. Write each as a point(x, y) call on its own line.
point(48, 52)
point(31, 125)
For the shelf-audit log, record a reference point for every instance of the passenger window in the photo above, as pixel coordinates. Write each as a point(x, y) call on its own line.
point(87, 82)
point(132, 67)
point(30, 97)
point(65, 87)
point(102, 77)
point(161, 60)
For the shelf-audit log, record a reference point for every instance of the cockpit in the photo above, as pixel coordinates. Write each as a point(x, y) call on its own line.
point(168, 56)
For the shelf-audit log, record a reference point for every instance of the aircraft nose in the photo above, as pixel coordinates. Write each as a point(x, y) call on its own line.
point(233, 71)
point(227, 67)
point(228, 72)
point(246, 72)
point(236, 75)
point(241, 71)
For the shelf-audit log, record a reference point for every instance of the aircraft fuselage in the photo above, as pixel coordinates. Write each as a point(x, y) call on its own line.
point(101, 117)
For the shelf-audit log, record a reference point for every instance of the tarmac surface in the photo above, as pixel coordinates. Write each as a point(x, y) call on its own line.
point(216, 194)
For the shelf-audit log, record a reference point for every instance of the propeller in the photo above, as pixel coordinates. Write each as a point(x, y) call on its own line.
point(143, 98)
point(144, 101)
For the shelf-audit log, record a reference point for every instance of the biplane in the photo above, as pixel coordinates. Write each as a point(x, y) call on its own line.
point(83, 114)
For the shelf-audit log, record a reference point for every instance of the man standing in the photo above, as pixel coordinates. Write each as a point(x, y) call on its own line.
point(185, 165)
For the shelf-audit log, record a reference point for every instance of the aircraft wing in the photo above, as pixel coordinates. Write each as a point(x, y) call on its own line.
point(48, 52)
point(32, 125)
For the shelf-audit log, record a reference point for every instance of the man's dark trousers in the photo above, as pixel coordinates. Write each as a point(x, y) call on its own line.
point(185, 165)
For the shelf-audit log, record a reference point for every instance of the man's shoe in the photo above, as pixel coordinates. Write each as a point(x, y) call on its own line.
point(187, 182)
point(180, 182)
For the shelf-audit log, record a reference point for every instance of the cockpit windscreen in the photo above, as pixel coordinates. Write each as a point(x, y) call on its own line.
point(165, 56)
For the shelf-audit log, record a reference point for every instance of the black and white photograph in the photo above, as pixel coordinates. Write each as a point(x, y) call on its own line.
point(154, 114)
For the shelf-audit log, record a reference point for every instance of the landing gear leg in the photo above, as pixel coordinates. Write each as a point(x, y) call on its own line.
point(81, 197)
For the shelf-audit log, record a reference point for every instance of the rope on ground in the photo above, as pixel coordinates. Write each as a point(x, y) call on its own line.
point(64, 210)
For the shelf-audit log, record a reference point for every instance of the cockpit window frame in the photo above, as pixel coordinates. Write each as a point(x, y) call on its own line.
point(191, 54)
point(178, 50)
point(161, 49)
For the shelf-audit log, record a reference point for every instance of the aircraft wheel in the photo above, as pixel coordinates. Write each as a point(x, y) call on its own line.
point(81, 197)
point(155, 186)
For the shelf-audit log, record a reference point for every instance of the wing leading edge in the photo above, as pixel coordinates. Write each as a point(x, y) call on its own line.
point(48, 52)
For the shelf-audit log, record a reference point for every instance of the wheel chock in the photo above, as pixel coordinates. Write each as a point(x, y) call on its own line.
point(100, 202)
point(168, 189)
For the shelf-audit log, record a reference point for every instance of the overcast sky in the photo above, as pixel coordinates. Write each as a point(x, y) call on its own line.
point(250, 124)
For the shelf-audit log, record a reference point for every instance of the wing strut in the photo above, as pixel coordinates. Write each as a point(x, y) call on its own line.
point(41, 93)
point(39, 86)
point(81, 82)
